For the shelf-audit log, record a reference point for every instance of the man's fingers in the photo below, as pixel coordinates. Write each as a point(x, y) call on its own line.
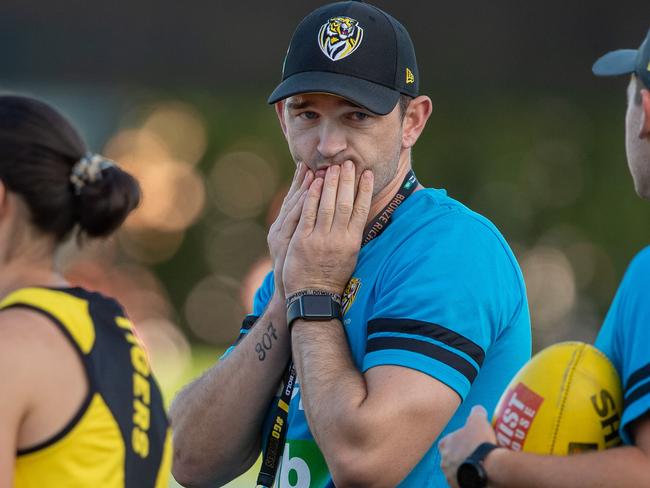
point(298, 176)
point(362, 203)
point(443, 442)
point(296, 182)
point(478, 414)
point(310, 207)
point(328, 199)
point(293, 195)
point(306, 182)
point(344, 197)
point(292, 217)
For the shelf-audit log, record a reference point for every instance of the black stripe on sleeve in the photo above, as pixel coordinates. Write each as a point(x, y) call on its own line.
point(430, 330)
point(246, 325)
point(638, 376)
point(249, 321)
point(426, 349)
point(636, 394)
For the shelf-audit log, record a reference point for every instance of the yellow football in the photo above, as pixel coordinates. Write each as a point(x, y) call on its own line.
point(566, 399)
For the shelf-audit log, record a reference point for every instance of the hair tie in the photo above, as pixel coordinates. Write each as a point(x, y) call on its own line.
point(88, 170)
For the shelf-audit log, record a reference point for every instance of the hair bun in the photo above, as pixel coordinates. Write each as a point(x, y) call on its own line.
point(105, 195)
point(88, 169)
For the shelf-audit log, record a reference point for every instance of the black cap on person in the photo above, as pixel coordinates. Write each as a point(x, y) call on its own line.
point(353, 50)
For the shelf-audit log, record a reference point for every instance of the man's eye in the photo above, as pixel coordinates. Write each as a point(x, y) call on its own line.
point(360, 116)
point(308, 115)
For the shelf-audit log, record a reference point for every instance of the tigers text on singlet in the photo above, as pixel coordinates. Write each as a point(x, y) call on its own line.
point(120, 436)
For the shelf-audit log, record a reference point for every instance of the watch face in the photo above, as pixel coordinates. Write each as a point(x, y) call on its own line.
point(317, 306)
point(471, 475)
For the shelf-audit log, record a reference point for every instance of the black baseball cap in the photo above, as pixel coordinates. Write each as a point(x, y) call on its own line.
point(353, 50)
point(626, 61)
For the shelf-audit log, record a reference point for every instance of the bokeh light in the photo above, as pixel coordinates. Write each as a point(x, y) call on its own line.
point(553, 173)
point(241, 184)
point(232, 246)
point(161, 154)
point(150, 246)
point(173, 196)
point(213, 310)
point(182, 129)
point(551, 286)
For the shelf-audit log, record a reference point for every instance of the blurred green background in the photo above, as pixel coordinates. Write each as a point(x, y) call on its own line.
point(175, 92)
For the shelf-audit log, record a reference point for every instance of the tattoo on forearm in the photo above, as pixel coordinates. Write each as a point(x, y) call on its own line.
point(266, 344)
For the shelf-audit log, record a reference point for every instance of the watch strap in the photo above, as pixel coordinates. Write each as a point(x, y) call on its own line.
point(481, 452)
point(471, 473)
point(313, 308)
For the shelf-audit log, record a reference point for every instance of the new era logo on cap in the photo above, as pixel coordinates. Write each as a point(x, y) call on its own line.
point(410, 78)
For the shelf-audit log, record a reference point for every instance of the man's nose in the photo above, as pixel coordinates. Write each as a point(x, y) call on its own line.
point(332, 140)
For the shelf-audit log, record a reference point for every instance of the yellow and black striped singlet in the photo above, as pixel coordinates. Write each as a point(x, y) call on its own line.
point(120, 437)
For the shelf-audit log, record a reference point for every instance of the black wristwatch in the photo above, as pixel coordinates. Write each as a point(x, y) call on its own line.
point(472, 474)
point(313, 307)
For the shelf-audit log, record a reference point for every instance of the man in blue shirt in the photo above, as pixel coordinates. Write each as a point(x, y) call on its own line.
point(398, 306)
point(624, 338)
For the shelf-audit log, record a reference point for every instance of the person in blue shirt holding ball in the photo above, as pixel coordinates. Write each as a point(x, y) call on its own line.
point(624, 338)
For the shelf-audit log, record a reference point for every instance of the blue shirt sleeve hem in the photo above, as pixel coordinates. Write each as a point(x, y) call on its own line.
point(436, 369)
point(632, 413)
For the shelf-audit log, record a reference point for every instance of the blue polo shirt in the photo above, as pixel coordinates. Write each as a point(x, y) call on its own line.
point(439, 291)
point(625, 339)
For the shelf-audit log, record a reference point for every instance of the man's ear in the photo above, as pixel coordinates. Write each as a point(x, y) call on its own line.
point(415, 118)
point(279, 110)
point(645, 108)
point(4, 198)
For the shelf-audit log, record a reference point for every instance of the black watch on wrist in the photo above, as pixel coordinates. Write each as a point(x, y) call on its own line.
point(472, 474)
point(313, 307)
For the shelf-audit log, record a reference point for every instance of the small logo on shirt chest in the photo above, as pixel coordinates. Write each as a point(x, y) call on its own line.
point(350, 294)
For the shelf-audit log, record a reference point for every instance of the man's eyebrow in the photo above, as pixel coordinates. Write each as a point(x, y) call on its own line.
point(297, 104)
point(301, 104)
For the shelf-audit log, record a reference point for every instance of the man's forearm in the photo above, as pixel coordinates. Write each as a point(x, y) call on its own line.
point(621, 467)
point(333, 391)
point(217, 419)
point(327, 375)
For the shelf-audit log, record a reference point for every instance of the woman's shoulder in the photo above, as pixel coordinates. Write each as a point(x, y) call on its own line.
point(33, 351)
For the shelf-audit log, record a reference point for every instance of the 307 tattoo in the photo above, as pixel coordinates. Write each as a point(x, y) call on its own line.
point(266, 344)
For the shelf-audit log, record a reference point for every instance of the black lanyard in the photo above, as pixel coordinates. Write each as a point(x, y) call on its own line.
point(277, 436)
point(381, 221)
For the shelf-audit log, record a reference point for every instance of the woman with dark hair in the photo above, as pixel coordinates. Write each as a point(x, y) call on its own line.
point(79, 406)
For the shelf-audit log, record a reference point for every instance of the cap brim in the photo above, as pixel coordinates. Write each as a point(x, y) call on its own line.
point(615, 63)
point(371, 96)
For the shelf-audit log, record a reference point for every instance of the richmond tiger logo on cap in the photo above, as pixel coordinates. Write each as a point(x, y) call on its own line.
point(339, 37)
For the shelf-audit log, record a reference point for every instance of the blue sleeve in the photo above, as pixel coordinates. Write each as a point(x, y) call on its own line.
point(443, 299)
point(260, 301)
point(625, 338)
point(263, 295)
